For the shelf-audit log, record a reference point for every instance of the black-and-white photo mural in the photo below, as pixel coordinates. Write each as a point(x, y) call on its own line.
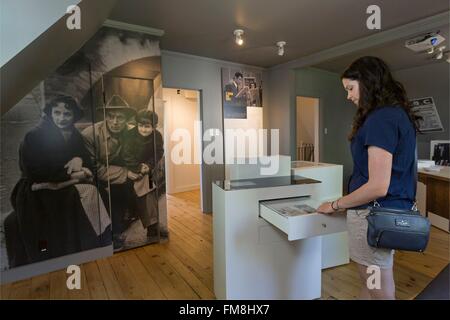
point(83, 156)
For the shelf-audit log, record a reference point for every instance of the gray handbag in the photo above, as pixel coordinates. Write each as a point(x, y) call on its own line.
point(396, 228)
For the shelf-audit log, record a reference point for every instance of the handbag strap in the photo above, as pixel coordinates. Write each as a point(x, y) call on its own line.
point(414, 207)
point(416, 175)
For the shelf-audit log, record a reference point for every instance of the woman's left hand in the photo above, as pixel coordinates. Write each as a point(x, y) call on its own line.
point(74, 165)
point(325, 208)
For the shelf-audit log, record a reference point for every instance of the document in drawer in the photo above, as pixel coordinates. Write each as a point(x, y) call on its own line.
point(296, 210)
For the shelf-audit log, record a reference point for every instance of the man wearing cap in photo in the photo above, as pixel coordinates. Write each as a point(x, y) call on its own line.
point(104, 141)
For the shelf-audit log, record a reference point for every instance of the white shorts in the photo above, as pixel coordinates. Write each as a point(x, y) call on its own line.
point(360, 251)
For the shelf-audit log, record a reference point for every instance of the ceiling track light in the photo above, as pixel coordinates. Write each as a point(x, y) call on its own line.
point(280, 45)
point(238, 36)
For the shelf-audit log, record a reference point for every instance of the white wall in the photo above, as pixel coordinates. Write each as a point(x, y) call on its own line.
point(22, 21)
point(254, 120)
point(181, 112)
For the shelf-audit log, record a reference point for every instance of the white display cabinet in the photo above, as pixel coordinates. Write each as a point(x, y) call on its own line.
point(260, 252)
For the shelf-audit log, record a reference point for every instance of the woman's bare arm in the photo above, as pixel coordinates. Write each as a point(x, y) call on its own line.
point(380, 166)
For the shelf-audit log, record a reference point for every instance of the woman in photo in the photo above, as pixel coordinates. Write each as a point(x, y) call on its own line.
point(57, 210)
point(383, 143)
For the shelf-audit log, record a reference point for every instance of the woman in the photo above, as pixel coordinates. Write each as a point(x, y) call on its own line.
point(56, 208)
point(383, 142)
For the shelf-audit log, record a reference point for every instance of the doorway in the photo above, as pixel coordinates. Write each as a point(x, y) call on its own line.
point(307, 128)
point(183, 135)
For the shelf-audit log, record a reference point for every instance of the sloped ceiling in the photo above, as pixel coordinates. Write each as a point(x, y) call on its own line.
point(48, 51)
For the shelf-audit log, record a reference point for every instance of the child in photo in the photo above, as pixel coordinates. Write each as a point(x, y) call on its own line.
point(142, 149)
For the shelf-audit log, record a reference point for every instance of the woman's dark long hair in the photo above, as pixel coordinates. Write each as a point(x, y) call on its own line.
point(70, 103)
point(377, 88)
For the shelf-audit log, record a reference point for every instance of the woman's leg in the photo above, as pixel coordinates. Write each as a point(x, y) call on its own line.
point(364, 294)
point(387, 291)
point(387, 284)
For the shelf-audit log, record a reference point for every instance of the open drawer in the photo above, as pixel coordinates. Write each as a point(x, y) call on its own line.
point(297, 218)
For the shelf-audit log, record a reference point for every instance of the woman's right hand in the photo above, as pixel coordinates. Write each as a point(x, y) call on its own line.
point(83, 174)
point(326, 208)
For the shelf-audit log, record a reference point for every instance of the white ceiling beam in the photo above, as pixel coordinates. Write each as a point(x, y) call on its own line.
point(133, 27)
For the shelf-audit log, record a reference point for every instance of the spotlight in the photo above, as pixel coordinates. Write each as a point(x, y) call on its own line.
point(238, 36)
point(280, 45)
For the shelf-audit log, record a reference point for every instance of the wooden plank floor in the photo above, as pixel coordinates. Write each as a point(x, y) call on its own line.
point(182, 268)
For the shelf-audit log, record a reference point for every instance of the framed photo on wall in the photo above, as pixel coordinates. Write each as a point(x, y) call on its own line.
point(240, 89)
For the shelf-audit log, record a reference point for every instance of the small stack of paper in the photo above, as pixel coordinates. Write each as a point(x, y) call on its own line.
point(425, 164)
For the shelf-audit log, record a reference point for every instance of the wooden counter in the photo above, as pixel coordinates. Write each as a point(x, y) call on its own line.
point(437, 194)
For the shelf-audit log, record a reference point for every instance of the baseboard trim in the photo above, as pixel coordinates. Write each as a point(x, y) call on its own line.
point(186, 188)
point(438, 221)
point(35, 269)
